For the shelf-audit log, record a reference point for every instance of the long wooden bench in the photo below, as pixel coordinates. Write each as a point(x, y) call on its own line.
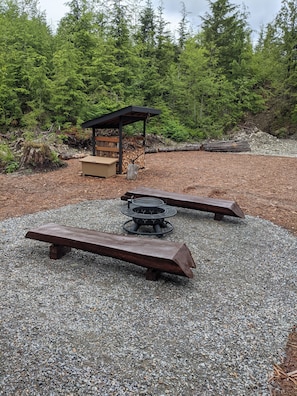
point(156, 255)
point(219, 207)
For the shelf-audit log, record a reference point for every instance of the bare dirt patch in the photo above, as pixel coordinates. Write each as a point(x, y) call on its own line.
point(263, 186)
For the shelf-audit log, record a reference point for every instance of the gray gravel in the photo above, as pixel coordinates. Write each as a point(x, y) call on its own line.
point(92, 325)
point(265, 144)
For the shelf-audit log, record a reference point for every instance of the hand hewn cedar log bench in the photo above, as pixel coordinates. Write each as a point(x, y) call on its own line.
point(219, 207)
point(156, 255)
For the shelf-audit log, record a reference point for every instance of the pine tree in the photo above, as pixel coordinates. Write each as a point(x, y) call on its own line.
point(68, 100)
point(286, 35)
point(280, 47)
point(226, 37)
point(122, 49)
point(201, 96)
point(25, 54)
point(183, 33)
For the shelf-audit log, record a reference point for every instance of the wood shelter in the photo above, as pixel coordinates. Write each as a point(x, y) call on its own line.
point(117, 120)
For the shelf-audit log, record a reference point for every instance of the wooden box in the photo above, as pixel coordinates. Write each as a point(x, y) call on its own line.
point(98, 166)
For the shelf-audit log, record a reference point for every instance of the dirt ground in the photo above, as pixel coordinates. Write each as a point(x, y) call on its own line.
point(263, 186)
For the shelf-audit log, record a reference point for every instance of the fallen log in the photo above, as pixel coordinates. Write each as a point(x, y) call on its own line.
point(67, 156)
point(227, 146)
point(167, 149)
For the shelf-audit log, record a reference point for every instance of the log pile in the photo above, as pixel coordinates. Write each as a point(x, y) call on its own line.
point(107, 145)
point(167, 149)
point(133, 152)
point(227, 146)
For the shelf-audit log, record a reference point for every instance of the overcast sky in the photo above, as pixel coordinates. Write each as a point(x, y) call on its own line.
point(261, 11)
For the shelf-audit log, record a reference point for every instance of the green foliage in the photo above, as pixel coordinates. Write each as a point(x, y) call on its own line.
point(275, 66)
point(55, 158)
point(6, 155)
point(29, 135)
point(75, 136)
point(12, 167)
point(281, 133)
point(183, 33)
point(205, 100)
point(24, 58)
point(168, 125)
point(8, 162)
point(175, 131)
point(106, 55)
point(68, 99)
point(226, 37)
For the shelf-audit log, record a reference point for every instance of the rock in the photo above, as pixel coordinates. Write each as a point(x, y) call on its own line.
point(132, 171)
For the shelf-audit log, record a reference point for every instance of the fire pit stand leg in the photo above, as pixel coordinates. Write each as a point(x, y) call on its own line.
point(158, 229)
point(134, 226)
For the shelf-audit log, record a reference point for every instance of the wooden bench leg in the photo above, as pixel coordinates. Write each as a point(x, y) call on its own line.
point(152, 274)
point(218, 216)
point(58, 251)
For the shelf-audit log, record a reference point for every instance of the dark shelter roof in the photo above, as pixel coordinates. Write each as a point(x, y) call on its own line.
point(127, 115)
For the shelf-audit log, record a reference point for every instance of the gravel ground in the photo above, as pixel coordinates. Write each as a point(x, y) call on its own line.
point(92, 325)
point(262, 143)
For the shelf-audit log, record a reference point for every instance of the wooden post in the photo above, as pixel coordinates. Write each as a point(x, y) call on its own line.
point(120, 146)
point(93, 141)
point(144, 131)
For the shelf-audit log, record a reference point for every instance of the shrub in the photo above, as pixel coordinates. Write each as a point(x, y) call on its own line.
point(8, 162)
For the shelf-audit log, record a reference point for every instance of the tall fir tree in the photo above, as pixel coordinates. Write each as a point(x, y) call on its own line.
point(183, 33)
point(25, 56)
point(226, 37)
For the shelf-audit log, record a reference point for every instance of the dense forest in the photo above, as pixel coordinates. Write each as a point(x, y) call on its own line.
point(105, 55)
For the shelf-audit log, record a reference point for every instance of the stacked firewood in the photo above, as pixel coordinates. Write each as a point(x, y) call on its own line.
point(133, 152)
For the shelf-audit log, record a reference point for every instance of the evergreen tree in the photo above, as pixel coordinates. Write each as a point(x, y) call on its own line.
point(157, 54)
point(76, 44)
point(146, 47)
point(202, 98)
point(25, 54)
point(105, 56)
point(68, 100)
point(286, 35)
point(266, 64)
point(279, 46)
point(121, 48)
point(226, 37)
point(164, 46)
point(183, 33)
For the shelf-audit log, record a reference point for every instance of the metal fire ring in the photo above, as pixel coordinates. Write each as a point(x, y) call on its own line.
point(148, 211)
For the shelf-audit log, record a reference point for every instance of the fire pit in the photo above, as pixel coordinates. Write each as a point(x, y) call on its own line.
point(148, 216)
